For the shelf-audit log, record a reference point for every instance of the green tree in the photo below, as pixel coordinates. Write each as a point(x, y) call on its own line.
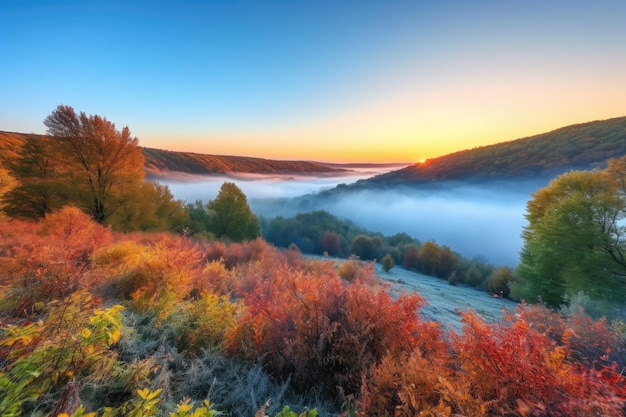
point(363, 247)
point(148, 206)
point(38, 189)
point(99, 158)
point(230, 216)
point(573, 241)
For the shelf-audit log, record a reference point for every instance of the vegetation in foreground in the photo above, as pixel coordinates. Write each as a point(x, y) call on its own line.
point(140, 324)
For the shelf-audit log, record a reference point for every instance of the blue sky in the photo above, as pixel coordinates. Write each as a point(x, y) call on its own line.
point(337, 81)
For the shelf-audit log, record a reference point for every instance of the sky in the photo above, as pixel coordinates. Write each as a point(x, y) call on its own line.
point(335, 81)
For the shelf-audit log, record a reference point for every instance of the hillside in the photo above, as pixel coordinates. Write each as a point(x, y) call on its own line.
point(161, 163)
point(168, 164)
point(582, 146)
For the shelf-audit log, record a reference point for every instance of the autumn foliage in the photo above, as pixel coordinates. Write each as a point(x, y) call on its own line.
point(324, 329)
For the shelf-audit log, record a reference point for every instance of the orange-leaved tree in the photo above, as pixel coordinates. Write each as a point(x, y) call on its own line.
point(101, 160)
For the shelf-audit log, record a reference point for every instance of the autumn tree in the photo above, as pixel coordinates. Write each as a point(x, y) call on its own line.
point(100, 159)
point(574, 240)
point(411, 256)
point(230, 216)
point(331, 243)
point(388, 263)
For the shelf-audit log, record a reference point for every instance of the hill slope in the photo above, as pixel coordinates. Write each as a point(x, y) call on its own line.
point(160, 163)
point(581, 146)
point(167, 164)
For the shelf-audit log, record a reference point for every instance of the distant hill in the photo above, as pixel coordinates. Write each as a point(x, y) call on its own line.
point(162, 164)
point(582, 146)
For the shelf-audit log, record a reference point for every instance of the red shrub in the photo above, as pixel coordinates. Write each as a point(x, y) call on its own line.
point(512, 369)
point(320, 330)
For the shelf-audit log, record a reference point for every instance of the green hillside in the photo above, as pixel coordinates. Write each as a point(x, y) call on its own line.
point(164, 164)
point(581, 146)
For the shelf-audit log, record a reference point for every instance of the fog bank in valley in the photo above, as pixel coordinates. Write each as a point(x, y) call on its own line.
point(474, 220)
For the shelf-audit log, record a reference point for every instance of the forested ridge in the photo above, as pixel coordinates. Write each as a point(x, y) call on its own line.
point(581, 146)
point(161, 164)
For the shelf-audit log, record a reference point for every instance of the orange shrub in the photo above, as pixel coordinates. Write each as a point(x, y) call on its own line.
point(155, 271)
point(319, 330)
point(48, 260)
point(407, 385)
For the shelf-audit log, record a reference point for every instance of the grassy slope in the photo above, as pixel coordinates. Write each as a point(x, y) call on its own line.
point(581, 146)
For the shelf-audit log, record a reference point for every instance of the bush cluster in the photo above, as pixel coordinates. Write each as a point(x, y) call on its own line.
point(100, 323)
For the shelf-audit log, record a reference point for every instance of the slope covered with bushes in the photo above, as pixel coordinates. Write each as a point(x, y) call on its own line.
point(152, 324)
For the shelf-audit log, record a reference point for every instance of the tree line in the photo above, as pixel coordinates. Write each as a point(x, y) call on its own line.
point(320, 232)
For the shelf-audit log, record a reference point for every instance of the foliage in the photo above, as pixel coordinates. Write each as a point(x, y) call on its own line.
point(101, 159)
point(148, 206)
point(243, 322)
point(320, 331)
point(331, 243)
point(486, 373)
point(156, 274)
point(71, 343)
point(388, 263)
point(47, 261)
point(86, 162)
point(574, 240)
point(319, 232)
point(39, 189)
point(7, 183)
point(229, 217)
point(498, 282)
point(364, 247)
point(314, 232)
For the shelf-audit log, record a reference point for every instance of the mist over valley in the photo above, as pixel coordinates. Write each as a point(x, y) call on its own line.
point(474, 219)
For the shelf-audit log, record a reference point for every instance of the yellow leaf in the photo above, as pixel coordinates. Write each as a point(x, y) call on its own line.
point(86, 333)
point(184, 406)
point(115, 336)
point(143, 393)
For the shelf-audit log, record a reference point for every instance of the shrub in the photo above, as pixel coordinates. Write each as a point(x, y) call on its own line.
point(71, 344)
point(387, 262)
point(322, 331)
point(498, 282)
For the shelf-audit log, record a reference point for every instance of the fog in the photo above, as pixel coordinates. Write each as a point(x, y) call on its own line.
point(474, 220)
point(257, 186)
